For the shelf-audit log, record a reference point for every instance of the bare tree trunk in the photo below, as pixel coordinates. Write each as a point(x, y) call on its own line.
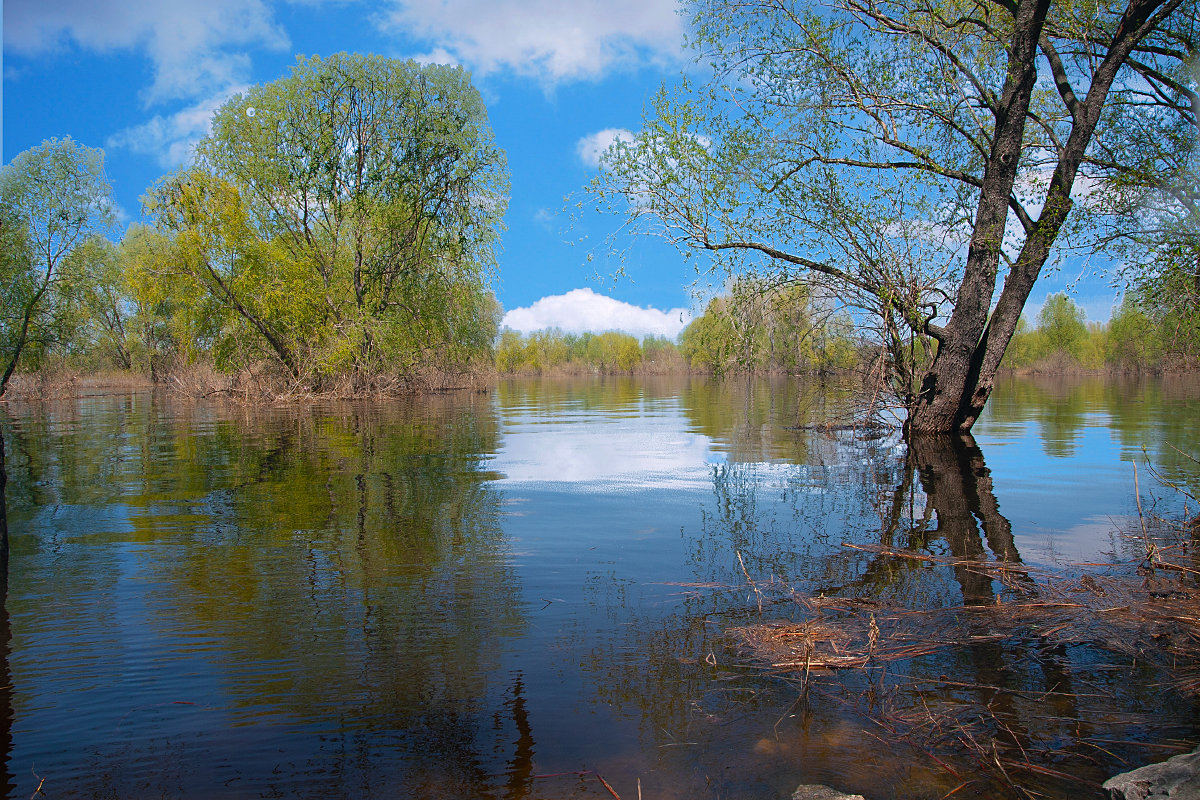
point(23, 336)
point(952, 375)
point(960, 380)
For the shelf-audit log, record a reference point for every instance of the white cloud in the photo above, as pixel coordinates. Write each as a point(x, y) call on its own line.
point(171, 139)
point(197, 48)
point(658, 451)
point(582, 310)
point(438, 55)
point(591, 147)
point(547, 39)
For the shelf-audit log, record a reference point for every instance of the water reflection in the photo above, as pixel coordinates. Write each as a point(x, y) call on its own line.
point(1147, 417)
point(288, 587)
point(488, 595)
point(3, 516)
point(6, 687)
point(774, 535)
point(613, 435)
point(960, 493)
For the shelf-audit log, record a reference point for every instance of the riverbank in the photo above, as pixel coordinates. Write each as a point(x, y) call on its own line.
point(65, 385)
point(266, 383)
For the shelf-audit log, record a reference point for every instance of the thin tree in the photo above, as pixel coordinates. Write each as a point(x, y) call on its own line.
point(52, 198)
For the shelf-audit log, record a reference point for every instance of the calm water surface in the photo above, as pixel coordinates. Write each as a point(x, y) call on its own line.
point(506, 595)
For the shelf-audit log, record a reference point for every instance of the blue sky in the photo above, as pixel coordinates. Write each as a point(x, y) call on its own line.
point(560, 79)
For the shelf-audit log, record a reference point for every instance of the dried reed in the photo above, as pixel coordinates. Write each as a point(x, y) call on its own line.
point(1130, 615)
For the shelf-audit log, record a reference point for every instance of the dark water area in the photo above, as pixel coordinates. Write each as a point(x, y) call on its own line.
point(518, 593)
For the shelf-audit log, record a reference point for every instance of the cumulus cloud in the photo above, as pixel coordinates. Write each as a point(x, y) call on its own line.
point(591, 147)
point(438, 55)
point(582, 310)
point(171, 139)
point(547, 39)
point(196, 48)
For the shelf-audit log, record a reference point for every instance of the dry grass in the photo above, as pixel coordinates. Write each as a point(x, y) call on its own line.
point(1140, 618)
point(61, 384)
point(1155, 611)
point(267, 382)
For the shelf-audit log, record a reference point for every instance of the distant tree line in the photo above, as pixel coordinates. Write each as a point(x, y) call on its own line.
point(757, 327)
point(337, 231)
point(1140, 337)
point(750, 328)
point(553, 352)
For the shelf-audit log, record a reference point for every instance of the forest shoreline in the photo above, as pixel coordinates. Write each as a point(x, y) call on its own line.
point(258, 385)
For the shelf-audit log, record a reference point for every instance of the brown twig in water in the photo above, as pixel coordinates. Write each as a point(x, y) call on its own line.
point(585, 773)
point(1107, 613)
point(41, 783)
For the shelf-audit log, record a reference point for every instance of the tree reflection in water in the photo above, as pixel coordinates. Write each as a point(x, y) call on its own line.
point(297, 600)
point(386, 599)
point(6, 687)
point(1007, 696)
point(1006, 707)
point(959, 492)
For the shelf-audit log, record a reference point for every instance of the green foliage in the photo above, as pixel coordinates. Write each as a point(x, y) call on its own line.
point(1152, 147)
point(170, 319)
point(914, 160)
point(709, 341)
point(1169, 293)
point(53, 198)
point(1061, 339)
point(342, 220)
point(1062, 328)
point(94, 284)
point(18, 282)
point(551, 352)
point(759, 328)
point(1133, 340)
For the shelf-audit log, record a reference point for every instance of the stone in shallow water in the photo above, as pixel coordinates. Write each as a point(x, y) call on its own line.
point(1176, 778)
point(815, 791)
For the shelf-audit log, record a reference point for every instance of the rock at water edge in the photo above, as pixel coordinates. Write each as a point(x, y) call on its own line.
point(815, 791)
point(1176, 778)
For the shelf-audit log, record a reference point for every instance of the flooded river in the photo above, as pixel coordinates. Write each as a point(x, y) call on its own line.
point(531, 593)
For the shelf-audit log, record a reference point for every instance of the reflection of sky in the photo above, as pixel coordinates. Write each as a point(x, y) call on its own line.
point(1066, 489)
point(1069, 496)
point(606, 451)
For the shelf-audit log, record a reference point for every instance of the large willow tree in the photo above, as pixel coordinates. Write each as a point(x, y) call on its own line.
point(345, 219)
point(917, 157)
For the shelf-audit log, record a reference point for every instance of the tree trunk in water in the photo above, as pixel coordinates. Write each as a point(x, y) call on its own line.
point(951, 379)
point(959, 382)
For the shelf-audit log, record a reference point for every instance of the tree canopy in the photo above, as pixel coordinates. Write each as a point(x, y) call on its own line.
point(343, 219)
point(915, 157)
point(52, 199)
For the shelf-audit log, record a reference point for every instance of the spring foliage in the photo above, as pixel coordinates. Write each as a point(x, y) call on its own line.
point(53, 199)
point(1133, 340)
point(341, 220)
point(917, 158)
